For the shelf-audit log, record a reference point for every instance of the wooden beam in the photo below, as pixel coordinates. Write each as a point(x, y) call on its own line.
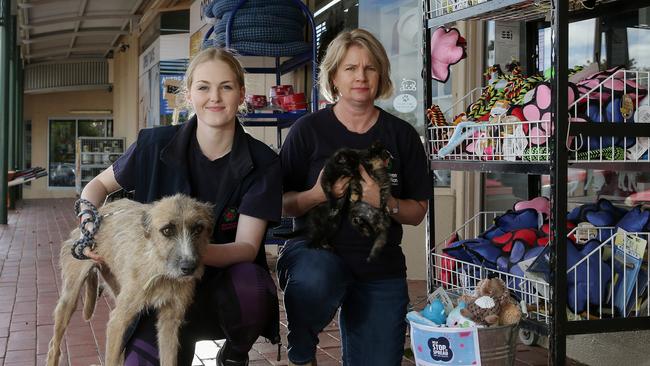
point(63, 51)
point(59, 20)
point(81, 33)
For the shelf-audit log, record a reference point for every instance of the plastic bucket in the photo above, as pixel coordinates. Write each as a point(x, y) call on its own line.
point(493, 346)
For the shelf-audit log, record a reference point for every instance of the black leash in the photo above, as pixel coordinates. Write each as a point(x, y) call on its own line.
point(88, 236)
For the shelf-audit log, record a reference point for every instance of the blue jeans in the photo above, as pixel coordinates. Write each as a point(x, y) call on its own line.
point(372, 319)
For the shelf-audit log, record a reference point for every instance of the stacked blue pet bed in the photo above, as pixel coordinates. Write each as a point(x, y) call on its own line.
point(271, 28)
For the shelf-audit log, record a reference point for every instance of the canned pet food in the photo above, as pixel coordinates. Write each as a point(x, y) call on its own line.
point(256, 101)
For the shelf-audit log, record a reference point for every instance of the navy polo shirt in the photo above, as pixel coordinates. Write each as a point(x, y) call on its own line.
point(314, 138)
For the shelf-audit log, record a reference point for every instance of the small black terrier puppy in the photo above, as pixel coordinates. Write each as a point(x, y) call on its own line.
point(324, 219)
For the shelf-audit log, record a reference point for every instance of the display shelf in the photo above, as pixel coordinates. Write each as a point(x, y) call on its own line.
point(279, 120)
point(285, 67)
point(441, 12)
point(605, 297)
point(565, 136)
point(492, 166)
point(93, 155)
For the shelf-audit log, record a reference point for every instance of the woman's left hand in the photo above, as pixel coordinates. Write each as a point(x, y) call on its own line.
point(370, 188)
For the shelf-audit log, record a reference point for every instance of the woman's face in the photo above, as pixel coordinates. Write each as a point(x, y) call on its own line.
point(357, 78)
point(215, 94)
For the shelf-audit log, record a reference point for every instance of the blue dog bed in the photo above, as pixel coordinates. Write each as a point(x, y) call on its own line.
point(260, 21)
point(259, 34)
point(218, 7)
point(599, 274)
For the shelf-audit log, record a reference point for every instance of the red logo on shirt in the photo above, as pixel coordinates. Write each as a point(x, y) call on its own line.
point(229, 219)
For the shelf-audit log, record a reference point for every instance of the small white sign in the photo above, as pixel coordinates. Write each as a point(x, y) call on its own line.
point(405, 103)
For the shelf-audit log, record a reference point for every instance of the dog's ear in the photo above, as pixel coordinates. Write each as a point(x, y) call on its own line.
point(146, 224)
point(207, 213)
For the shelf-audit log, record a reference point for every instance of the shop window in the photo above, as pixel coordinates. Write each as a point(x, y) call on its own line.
point(501, 191)
point(638, 40)
point(582, 40)
point(62, 136)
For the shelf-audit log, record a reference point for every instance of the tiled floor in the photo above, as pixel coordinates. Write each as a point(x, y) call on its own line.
point(29, 283)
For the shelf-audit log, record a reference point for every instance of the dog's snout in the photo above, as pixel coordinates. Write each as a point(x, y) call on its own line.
point(187, 266)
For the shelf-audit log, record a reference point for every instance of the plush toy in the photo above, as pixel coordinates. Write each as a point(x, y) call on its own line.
point(456, 320)
point(510, 313)
point(491, 304)
point(435, 312)
point(447, 48)
point(483, 310)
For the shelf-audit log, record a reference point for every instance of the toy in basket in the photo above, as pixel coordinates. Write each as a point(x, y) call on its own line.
point(480, 330)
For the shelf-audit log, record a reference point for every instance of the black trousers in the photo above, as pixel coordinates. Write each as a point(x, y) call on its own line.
point(239, 304)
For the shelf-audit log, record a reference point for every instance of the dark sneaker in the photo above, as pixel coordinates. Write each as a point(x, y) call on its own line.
point(222, 361)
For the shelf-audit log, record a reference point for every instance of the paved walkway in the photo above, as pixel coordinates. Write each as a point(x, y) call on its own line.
point(29, 283)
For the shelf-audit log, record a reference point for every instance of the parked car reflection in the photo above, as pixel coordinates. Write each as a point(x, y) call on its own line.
point(62, 174)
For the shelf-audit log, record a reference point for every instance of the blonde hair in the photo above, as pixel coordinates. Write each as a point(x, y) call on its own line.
point(212, 54)
point(335, 53)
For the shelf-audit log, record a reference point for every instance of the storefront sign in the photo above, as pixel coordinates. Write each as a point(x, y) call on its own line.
point(405, 103)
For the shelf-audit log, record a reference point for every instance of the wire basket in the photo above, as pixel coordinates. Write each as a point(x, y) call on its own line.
point(487, 141)
point(618, 97)
point(608, 281)
point(614, 99)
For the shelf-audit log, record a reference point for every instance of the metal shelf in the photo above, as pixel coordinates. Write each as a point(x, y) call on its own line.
point(523, 167)
point(535, 168)
point(284, 68)
point(279, 120)
point(632, 166)
point(441, 11)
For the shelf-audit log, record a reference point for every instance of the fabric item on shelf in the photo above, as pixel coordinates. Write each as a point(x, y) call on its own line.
point(447, 48)
point(600, 86)
point(540, 153)
point(540, 204)
point(477, 251)
point(636, 220)
point(287, 12)
point(536, 153)
point(265, 49)
point(217, 8)
point(507, 240)
point(513, 220)
point(584, 73)
point(608, 153)
point(587, 282)
point(262, 20)
point(259, 34)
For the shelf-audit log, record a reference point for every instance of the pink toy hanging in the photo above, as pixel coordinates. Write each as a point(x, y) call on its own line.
point(447, 48)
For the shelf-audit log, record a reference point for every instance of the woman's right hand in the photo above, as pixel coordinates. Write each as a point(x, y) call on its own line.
point(87, 251)
point(93, 256)
point(338, 190)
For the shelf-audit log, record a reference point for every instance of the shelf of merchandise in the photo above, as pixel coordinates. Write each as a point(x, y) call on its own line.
point(94, 154)
point(440, 12)
point(280, 120)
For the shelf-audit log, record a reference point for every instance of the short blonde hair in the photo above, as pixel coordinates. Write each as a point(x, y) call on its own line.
point(212, 54)
point(335, 53)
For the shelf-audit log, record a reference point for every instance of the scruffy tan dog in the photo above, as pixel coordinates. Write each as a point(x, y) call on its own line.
point(152, 259)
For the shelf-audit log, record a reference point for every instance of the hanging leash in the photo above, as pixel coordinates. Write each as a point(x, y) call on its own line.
point(88, 236)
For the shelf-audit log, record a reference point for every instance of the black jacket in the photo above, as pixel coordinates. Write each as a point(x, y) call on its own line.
point(161, 166)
